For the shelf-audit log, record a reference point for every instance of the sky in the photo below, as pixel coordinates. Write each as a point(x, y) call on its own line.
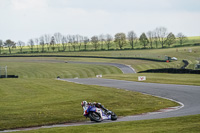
point(29, 19)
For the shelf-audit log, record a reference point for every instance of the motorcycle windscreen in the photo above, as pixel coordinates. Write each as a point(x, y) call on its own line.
point(93, 109)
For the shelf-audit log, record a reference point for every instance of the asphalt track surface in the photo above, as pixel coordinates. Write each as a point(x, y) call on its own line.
point(187, 96)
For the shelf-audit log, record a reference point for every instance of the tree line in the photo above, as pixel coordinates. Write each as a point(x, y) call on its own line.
point(158, 37)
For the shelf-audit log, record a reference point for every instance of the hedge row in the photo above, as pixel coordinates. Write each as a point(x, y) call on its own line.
point(8, 76)
point(171, 70)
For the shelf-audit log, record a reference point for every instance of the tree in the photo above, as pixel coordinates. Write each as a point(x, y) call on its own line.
point(150, 36)
point(162, 35)
point(170, 39)
point(108, 41)
point(102, 39)
point(52, 43)
point(1, 45)
point(42, 42)
point(79, 40)
point(58, 39)
point(37, 43)
point(64, 41)
point(47, 39)
point(10, 44)
point(69, 38)
point(155, 38)
point(181, 38)
point(31, 44)
point(85, 40)
point(144, 40)
point(132, 37)
point(20, 44)
point(120, 39)
point(95, 42)
point(74, 42)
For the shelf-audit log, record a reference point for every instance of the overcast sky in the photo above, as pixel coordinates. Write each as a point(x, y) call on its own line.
point(26, 19)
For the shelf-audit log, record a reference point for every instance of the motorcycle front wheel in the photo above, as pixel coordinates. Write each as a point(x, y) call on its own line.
point(94, 116)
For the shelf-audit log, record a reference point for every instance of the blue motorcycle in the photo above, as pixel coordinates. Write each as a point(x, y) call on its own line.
point(98, 115)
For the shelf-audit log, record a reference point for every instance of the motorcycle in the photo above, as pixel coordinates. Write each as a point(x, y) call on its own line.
point(98, 115)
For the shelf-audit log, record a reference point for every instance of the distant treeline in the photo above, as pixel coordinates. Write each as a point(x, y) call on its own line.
point(158, 38)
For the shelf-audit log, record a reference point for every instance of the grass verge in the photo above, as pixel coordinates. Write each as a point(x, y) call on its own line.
point(184, 79)
point(186, 124)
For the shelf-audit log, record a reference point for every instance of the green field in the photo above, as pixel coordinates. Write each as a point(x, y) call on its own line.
point(33, 102)
point(50, 68)
point(58, 48)
point(187, 124)
point(182, 53)
point(37, 98)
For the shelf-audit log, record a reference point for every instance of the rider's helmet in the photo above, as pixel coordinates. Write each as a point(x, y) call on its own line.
point(83, 103)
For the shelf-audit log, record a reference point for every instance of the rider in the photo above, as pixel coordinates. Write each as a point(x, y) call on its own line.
point(86, 104)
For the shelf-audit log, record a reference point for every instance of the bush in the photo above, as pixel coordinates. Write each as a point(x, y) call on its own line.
point(103, 49)
point(35, 52)
point(44, 51)
point(61, 50)
point(196, 44)
point(111, 49)
point(127, 48)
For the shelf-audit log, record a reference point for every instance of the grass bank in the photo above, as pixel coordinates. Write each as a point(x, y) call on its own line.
point(53, 67)
point(34, 102)
point(182, 53)
point(186, 124)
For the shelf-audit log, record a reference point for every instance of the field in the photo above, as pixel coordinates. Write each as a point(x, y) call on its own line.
point(191, 54)
point(139, 65)
point(187, 124)
point(37, 98)
point(49, 68)
point(89, 47)
point(34, 102)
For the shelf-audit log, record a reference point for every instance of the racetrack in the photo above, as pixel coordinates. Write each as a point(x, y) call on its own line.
point(187, 96)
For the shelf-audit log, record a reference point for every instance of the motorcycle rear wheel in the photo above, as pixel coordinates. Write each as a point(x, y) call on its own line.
point(94, 116)
point(113, 116)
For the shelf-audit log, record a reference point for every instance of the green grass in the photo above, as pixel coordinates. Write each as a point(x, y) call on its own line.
point(184, 79)
point(182, 53)
point(36, 98)
point(186, 124)
point(48, 68)
point(33, 102)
